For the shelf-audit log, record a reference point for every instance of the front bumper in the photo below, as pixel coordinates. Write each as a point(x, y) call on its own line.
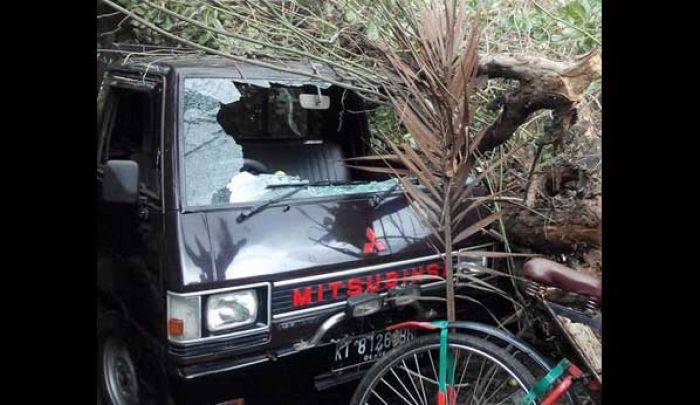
point(193, 363)
point(236, 367)
point(255, 377)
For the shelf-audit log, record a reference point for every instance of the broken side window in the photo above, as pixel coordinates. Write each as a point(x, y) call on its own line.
point(135, 133)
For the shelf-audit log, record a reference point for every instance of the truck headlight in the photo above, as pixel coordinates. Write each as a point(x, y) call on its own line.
point(231, 310)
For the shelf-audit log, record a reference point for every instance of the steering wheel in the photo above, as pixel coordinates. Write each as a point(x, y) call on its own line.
point(254, 166)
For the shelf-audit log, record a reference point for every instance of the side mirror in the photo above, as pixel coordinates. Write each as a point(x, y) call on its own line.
point(120, 183)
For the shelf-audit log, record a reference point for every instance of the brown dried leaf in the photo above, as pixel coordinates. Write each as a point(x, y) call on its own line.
point(475, 227)
point(374, 169)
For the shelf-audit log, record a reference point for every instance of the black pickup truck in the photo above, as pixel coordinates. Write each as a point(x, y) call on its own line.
point(231, 232)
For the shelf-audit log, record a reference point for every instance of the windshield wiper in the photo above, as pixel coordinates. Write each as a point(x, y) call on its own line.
point(298, 187)
point(320, 183)
point(247, 214)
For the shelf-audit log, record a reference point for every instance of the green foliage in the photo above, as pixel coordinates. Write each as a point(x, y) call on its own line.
point(571, 27)
point(193, 10)
point(585, 15)
point(382, 120)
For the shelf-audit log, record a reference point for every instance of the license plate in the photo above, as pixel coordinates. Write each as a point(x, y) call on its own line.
point(366, 348)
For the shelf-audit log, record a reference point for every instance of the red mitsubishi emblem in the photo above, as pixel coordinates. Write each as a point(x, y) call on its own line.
point(373, 243)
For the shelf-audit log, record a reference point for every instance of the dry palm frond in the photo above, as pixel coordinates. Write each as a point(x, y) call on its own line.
point(437, 61)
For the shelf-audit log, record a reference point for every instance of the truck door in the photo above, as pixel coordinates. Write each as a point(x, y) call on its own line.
point(129, 235)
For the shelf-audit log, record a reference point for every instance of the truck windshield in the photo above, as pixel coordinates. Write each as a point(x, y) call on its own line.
point(243, 141)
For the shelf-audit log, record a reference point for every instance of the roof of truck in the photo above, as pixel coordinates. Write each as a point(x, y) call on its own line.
point(161, 64)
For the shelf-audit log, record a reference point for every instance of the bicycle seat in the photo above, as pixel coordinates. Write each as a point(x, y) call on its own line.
point(557, 275)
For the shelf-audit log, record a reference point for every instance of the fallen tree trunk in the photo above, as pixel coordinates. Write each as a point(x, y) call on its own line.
point(555, 217)
point(563, 230)
point(559, 225)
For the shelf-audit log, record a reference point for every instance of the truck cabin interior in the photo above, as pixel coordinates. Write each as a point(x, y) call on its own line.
point(278, 134)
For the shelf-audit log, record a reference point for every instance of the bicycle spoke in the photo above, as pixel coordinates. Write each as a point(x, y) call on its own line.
point(432, 364)
point(421, 379)
point(513, 398)
point(378, 396)
point(423, 402)
point(395, 392)
point(500, 386)
point(495, 369)
point(478, 379)
point(404, 386)
point(459, 386)
point(421, 376)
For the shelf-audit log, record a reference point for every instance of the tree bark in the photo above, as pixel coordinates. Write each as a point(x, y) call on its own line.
point(561, 231)
point(574, 230)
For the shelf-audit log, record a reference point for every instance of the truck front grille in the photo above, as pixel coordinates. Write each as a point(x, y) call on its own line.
point(310, 292)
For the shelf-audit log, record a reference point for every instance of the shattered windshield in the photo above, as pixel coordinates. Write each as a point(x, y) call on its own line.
point(244, 139)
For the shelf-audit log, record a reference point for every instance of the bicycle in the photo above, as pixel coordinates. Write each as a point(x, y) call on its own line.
point(449, 367)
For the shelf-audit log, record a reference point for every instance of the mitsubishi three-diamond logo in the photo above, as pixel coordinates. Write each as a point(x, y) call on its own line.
point(373, 243)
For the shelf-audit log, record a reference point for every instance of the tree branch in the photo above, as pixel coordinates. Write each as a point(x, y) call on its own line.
point(544, 84)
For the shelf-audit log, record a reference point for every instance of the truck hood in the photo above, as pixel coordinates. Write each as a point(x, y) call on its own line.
point(297, 240)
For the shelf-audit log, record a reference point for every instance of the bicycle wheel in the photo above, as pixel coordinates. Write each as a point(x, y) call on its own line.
point(483, 374)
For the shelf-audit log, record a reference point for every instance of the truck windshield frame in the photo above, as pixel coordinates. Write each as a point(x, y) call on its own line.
point(181, 170)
